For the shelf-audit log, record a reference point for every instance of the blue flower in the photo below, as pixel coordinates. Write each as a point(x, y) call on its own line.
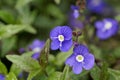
point(81, 58)
point(21, 50)
point(2, 77)
point(106, 28)
point(36, 47)
point(75, 11)
point(96, 6)
point(61, 37)
point(73, 18)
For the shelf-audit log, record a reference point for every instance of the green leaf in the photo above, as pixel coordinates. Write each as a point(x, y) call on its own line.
point(97, 51)
point(5, 42)
point(15, 69)
point(65, 73)
point(55, 76)
point(26, 16)
point(114, 74)
point(40, 76)
point(95, 73)
point(3, 69)
point(62, 56)
point(104, 72)
point(116, 52)
point(31, 30)
point(22, 3)
point(79, 76)
point(11, 76)
point(24, 62)
point(57, 1)
point(44, 54)
point(32, 74)
point(7, 16)
point(9, 30)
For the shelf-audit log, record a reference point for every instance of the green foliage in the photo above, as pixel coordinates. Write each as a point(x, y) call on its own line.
point(7, 16)
point(11, 76)
point(9, 30)
point(55, 76)
point(21, 3)
point(62, 56)
point(5, 48)
point(22, 21)
point(95, 73)
point(65, 74)
point(26, 63)
point(44, 54)
point(114, 74)
point(15, 69)
point(3, 69)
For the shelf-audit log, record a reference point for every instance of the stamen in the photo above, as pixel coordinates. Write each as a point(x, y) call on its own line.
point(79, 58)
point(61, 38)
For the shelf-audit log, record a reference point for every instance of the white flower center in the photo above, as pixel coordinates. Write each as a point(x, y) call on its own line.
point(36, 50)
point(76, 13)
point(61, 38)
point(107, 26)
point(79, 58)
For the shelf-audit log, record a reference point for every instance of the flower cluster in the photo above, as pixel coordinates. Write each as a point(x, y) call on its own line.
point(106, 28)
point(61, 37)
point(73, 17)
point(36, 47)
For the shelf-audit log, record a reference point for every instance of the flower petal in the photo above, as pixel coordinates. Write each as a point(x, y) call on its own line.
point(2, 77)
point(99, 25)
point(81, 49)
point(55, 44)
point(77, 68)
point(55, 32)
point(37, 43)
point(66, 45)
point(88, 62)
point(66, 32)
point(70, 60)
point(35, 55)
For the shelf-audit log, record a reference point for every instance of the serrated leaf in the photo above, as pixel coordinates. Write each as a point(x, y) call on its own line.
point(25, 63)
point(65, 73)
point(95, 73)
point(32, 74)
point(114, 74)
point(3, 69)
point(11, 76)
point(55, 76)
point(5, 42)
point(9, 30)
